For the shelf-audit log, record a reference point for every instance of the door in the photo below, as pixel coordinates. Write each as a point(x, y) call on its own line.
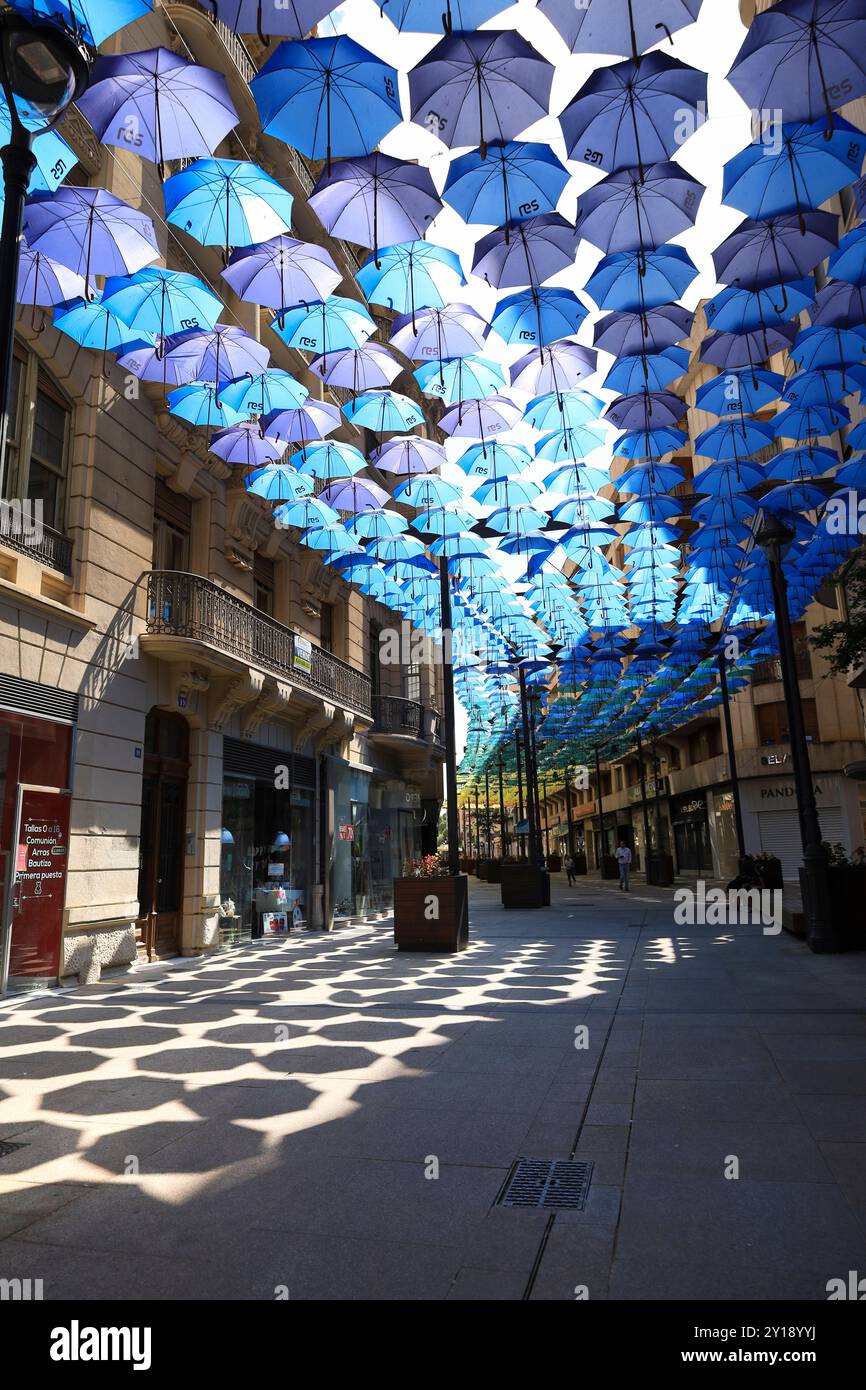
point(161, 855)
point(38, 884)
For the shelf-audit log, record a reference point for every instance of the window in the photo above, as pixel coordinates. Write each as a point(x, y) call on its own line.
point(412, 682)
point(773, 722)
point(172, 523)
point(263, 585)
point(39, 432)
point(326, 627)
point(373, 657)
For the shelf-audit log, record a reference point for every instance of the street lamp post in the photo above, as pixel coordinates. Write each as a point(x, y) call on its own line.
point(487, 812)
point(43, 69)
point(646, 826)
point(732, 756)
point(449, 722)
point(520, 840)
point(773, 537)
point(568, 811)
point(600, 799)
point(501, 813)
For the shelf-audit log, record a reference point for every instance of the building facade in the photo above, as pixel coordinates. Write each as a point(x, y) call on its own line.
point(198, 742)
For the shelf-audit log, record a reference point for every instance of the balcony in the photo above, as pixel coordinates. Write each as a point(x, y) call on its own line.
point(398, 721)
point(47, 546)
point(190, 608)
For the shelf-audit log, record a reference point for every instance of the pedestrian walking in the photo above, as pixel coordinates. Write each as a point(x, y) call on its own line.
point(569, 868)
point(623, 859)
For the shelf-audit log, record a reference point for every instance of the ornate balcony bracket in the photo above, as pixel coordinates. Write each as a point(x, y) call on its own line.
point(272, 703)
point(229, 696)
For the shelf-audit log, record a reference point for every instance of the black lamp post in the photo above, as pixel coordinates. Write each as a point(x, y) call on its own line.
point(774, 537)
point(732, 756)
point(43, 69)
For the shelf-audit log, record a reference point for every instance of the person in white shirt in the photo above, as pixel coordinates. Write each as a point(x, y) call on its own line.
point(623, 859)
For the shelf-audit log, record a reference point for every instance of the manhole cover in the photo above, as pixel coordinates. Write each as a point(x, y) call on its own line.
point(7, 1147)
point(558, 1184)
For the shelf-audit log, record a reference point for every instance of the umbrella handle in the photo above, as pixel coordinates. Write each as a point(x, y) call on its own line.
point(670, 36)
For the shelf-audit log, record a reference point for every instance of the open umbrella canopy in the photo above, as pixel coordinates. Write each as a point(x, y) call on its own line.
point(527, 252)
point(227, 202)
point(54, 157)
point(279, 483)
point(264, 392)
point(90, 231)
point(329, 459)
point(406, 458)
point(375, 201)
point(290, 19)
point(633, 113)
point(92, 324)
point(327, 97)
point(557, 367)
point(806, 165)
point(245, 445)
point(626, 332)
point(461, 378)
point(637, 210)
point(802, 57)
point(538, 316)
point(514, 181)
point(160, 301)
point(158, 104)
point(418, 16)
point(435, 334)
point(282, 271)
point(617, 26)
point(777, 249)
point(91, 20)
point(479, 86)
point(198, 404)
point(637, 281)
point(357, 369)
point(44, 282)
point(495, 459)
point(219, 354)
point(329, 326)
point(305, 513)
point(311, 420)
point(384, 412)
point(415, 275)
point(480, 419)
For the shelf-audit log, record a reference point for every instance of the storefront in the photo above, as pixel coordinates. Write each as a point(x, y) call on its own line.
point(35, 772)
point(690, 821)
point(378, 830)
point(267, 860)
point(772, 822)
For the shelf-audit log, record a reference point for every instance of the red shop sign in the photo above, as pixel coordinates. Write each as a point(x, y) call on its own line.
point(39, 890)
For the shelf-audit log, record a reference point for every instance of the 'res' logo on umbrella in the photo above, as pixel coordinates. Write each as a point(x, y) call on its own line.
point(434, 122)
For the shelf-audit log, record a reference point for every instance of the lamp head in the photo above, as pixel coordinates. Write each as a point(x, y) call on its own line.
point(41, 66)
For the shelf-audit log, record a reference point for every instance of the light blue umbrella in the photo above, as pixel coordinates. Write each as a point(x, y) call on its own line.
point(161, 302)
point(384, 525)
point(306, 513)
point(461, 378)
point(429, 491)
point(538, 316)
point(568, 410)
point(197, 403)
point(637, 280)
point(326, 327)
point(332, 536)
point(264, 392)
point(384, 412)
point(740, 391)
point(54, 158)
point(495, 459)
point(507, 491)
point(570, 445)
point(329, 459)
point(647, 371)
point(515, 181)
point(93, 325)
point(413, 275)
point(517, 521)
point(94, 20)
point(227, 202)
point(445, 521)
point(279, 483)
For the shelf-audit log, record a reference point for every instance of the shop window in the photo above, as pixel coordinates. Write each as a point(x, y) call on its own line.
point(773, 722)
point(39, 434)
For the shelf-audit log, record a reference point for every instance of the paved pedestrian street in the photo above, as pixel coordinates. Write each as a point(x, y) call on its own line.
point(326, 1118)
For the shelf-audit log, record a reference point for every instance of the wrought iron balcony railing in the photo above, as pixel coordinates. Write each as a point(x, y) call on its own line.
point(392, 715)
point(44, 544)
point(187, 605)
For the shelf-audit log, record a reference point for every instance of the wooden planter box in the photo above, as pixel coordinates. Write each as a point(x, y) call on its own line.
point(482, 870)
point(579, 863)
point(660, 870)
point(554, 863)
point(524, 885)
point(494, 871)
point(609, 866)
point(415, 929)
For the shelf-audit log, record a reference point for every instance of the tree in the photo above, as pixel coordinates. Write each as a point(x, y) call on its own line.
point(843, 642)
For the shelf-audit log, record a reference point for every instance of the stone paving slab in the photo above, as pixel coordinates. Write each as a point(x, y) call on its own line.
point(330, 1117)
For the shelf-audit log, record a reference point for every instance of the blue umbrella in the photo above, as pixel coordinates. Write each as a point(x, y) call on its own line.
point(828, 347)
point(561, 412)
point(638, 210)
point(475, 87)
point(777, 249)
point(802, 422)
point(461, 378)
point(744, 311)
point(160, 301)
point(804, 462)
point(198, 404)
point(839, 305)
point(291, 19)
point(327, 97)
point(569, 444)
point(538, 316)
point(327, 327)
point(282, 271)
point(527, 252)
point(804, 58)
point(384, 412)
point(279, 483)
point(329, 459)
point(515, 181)
point(92, 20)
point(728, 477)
point(246, 446)
point(654, 371)
point(627, 332)
point(306, 513)
point(262, 393)
point(809, 165)
point(415, 274)
point(218, 354)
point(54, 158)
point(649, 443)
point(406, 458)
point(158, 104)
point(311, 420)
point(739, 391)
point(90, 231)
point(632, 114)
point(617, 26)
point(44, 282)
point(727, 351)
point(823, 385)
point(636, 281)
point(420, 17)
point(375, 199)
point(430, 491)
point(646, 410)
point(92, 324)
point(227, 202)
point(849, 261)
point(733, 440)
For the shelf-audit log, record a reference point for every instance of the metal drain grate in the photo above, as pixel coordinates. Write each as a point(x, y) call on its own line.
point(557, 1184)
point(7, 1147)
